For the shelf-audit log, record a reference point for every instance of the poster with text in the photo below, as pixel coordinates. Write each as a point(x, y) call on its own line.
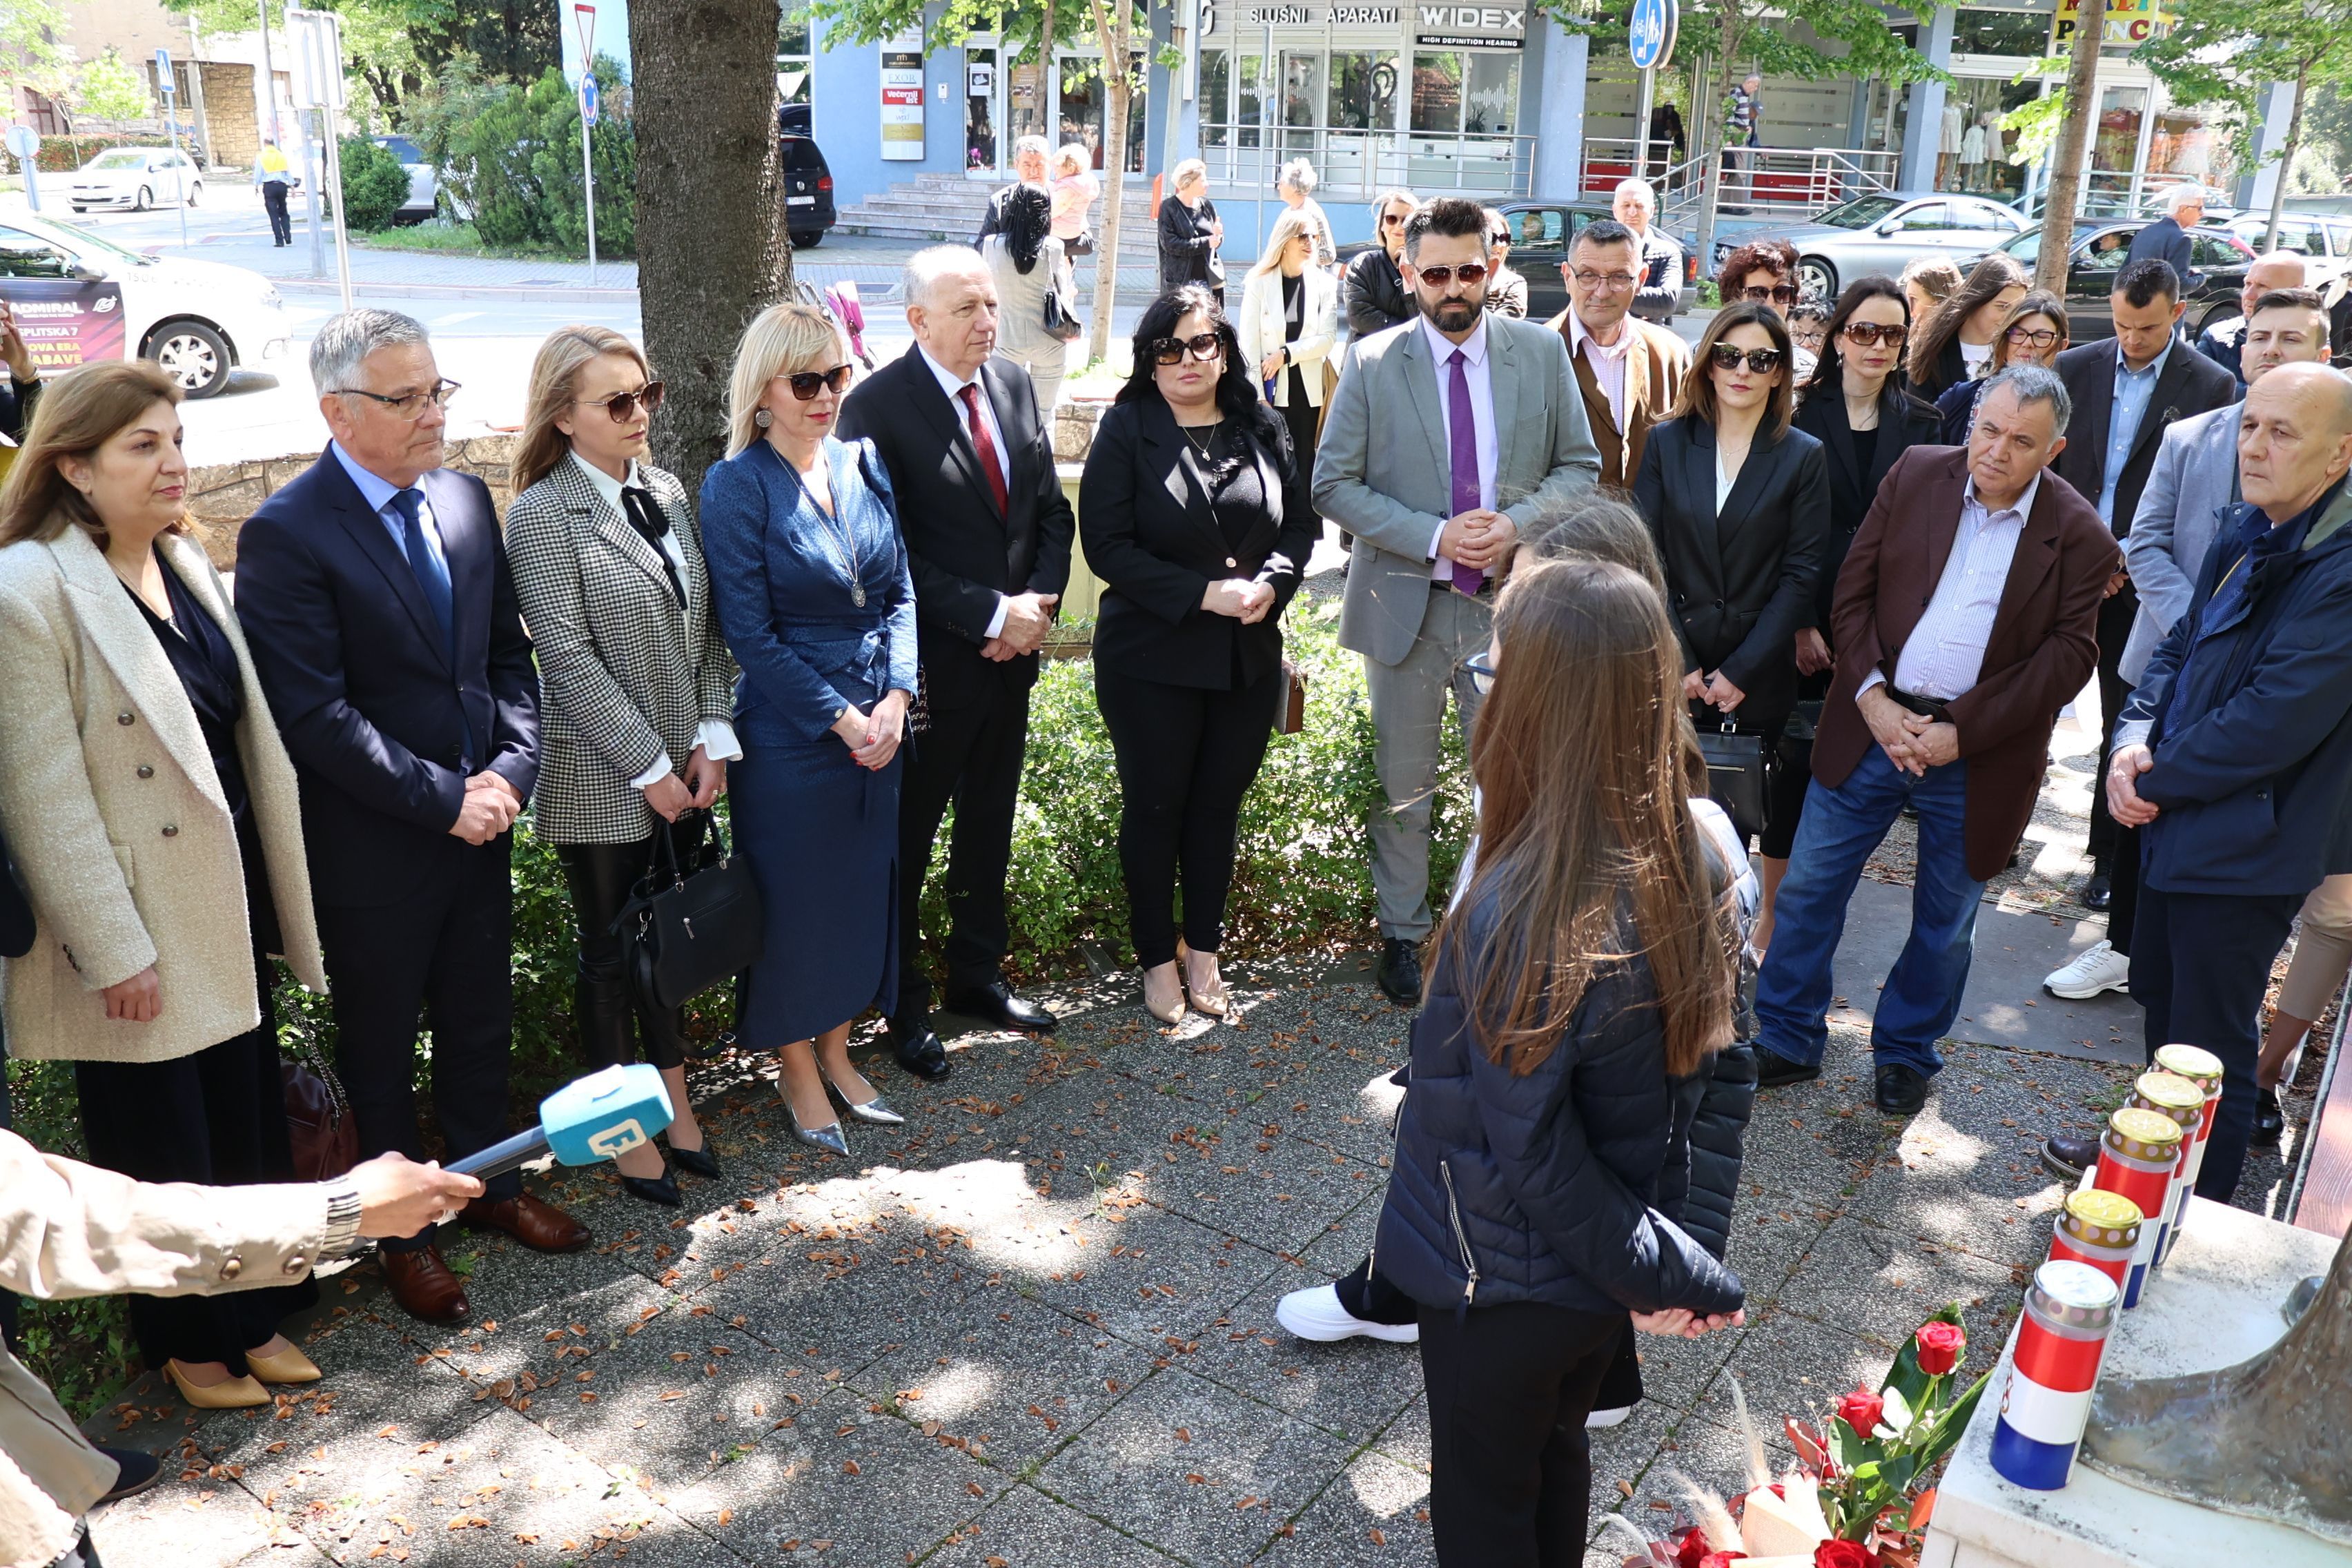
point(902, 96)
point(65, 322)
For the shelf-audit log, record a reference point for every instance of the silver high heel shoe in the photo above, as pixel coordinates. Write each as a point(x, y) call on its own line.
point(826, 1138)
point(876, 1111)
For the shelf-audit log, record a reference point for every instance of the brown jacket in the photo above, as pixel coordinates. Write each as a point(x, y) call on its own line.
point(1654, 380)
point(2043, 647)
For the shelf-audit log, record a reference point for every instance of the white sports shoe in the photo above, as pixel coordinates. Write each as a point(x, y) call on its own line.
point(2097, 968)
point(1602, 1418)
point(1316, 1314)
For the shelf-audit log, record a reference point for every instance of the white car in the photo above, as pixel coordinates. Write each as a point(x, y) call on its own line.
point(77, 297)
point(137, 178)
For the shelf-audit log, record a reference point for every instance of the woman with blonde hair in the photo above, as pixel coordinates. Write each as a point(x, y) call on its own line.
point(1075, 189)
point(637, 687)
point(154, 817)
point(1288, 324)
point(817, 602)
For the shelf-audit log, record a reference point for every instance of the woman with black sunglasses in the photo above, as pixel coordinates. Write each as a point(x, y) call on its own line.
point(1738, 500)
point(1196, 514)
point(815, 593)
point(637, 687)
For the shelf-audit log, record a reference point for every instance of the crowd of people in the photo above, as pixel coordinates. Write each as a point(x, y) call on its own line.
point(1685, 602)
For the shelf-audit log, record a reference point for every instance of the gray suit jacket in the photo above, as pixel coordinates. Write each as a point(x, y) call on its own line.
point(2194, 476)
point(1387, 477)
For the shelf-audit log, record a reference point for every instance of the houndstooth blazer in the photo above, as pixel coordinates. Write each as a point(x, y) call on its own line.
point(626, 675)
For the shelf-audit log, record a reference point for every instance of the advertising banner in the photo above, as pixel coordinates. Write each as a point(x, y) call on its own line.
point(902, 96)
point(65, 322)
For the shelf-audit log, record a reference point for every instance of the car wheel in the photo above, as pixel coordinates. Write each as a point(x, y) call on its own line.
point(192, 355)
point(146, 199)
point(195, 189)
point(1817, 280)
point(807, 238)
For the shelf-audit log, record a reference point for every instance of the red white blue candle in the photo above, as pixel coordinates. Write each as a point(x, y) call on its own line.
point(2136, 1159)
point(2179, 1101)
point(2203, 1068)
point(2101, 1229)
point(2061, 1340)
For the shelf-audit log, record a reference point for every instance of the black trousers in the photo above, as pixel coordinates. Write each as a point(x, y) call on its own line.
point(282, 224)
point(1365, 1293)
point(217, 1117)
point(970, 755)
point(1510, 1472)
point(612, 1018)
point(438, 956)
point(2115, 615)
point(1186, 754)
point(2201, 969)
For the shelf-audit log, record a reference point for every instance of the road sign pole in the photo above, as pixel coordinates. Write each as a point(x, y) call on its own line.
point(584, 17)
point(1642, 122)
point(26, 142)
point(171, 90)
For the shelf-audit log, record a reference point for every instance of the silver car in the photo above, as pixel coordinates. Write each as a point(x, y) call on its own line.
point(1882, 232)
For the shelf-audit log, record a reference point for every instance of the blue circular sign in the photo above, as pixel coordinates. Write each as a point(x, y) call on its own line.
point(1650, 36)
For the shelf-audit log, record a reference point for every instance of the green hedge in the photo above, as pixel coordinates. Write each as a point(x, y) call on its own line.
point(509, 155)
point(1302, 884)
point(374, 184)
point(64, 154)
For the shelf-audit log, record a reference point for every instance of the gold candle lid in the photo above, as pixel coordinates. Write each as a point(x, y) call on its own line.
point(2107, 1219)
point(2143, 1134)
point(2170, 1094)
point(2192, 1062)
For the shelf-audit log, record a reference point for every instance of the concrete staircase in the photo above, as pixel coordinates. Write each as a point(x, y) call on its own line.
point(949, 208)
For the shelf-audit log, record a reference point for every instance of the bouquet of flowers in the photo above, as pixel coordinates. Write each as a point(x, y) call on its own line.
point(1856, 1497)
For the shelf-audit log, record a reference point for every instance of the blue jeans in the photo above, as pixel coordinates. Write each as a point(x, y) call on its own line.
point(1840, 829)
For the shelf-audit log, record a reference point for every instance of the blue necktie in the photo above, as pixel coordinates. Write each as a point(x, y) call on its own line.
point(432, 571)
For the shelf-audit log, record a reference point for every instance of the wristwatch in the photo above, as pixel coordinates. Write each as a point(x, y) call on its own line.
point(342, 1235)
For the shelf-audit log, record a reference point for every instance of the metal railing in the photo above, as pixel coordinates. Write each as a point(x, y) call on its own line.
point(1764, 181)
point(2114, 193)
point(1354, 164)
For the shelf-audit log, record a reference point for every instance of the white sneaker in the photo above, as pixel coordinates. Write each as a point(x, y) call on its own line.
point(1600, 1418)
point(2097, 968)
point(1316, 1314)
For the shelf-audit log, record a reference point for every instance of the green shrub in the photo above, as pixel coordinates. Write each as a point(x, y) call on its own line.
point(374, 184)
point(510, 155)
point(64, 154)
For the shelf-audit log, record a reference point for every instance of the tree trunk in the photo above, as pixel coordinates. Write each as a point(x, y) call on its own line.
point(2286, 158)
point(2066, 161)
point(1049, 82)
point(711, 252)
point(1111, 24)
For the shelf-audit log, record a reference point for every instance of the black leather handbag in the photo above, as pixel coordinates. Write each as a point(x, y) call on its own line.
point(689, 925)
point(1734, 775)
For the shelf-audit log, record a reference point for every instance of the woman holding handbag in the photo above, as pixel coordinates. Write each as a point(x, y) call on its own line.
point(637, 689)
point(817, 602)
point(153, 814)
point(1028, 267)
point(1288, 324)
point(1195, 514)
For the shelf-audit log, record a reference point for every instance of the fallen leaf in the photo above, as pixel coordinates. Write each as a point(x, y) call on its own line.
point(849, 1467)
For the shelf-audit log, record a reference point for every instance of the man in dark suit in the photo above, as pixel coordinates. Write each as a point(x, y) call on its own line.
point(375, 594)
point(1963, 623)
point(2125, 393)
point(988, 534)
point(2167, 239)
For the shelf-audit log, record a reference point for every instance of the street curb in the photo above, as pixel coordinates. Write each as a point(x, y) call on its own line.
point(456, 290)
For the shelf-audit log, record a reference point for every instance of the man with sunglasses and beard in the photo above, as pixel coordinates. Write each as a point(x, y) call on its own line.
point(1479, 429)
point(988, 534)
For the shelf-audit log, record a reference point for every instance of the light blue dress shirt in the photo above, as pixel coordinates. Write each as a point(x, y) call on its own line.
point(378, 494)
point(2133, 389)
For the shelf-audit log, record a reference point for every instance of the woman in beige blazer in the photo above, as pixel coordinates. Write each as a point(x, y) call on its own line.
point(1288, 324)
point(153, 812)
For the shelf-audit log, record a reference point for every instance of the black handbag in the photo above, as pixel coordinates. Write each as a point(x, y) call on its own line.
point(687, 926)
point(1734, 775)
point(1058, 320)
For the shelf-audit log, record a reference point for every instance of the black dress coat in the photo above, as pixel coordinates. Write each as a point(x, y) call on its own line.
point(1739, 585)
point(1150, 536)
point(1186, 248)
point(1904, 421)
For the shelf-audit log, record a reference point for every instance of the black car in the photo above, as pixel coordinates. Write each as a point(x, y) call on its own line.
point(808, 181)
point(2098, 252)
point(1540, 233)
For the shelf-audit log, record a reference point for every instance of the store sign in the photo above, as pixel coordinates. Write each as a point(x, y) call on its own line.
point(902, 97)
point(2128, 22)
point(1471, 26)
point(1213, 15)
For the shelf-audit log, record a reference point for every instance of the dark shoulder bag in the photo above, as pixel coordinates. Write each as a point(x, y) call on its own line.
point(319, 1126)
point(689, 926)
point(1734, 775)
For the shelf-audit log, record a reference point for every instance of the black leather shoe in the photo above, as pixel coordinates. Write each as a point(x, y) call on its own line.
point(1901, 1091)
point(995, 1003)
point(1400, 971)
point(661, 1189)
point(134, 1473)
point(1774, 1070)
point(918, 1050)
point(2098, 892)
point(698, 1160)
point(2067, 1157)
point(2270, 1121)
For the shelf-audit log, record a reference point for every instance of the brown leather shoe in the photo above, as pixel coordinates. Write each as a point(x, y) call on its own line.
point(424, 1285)
point(541, 1226)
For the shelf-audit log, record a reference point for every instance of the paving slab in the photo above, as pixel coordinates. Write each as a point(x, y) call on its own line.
point(1375, 1514)
point(1354, 1388)
point(1880, 1285)
point(1148, 1275)
point(1027, 1528)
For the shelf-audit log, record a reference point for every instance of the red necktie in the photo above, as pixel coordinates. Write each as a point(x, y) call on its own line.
point(986, 445)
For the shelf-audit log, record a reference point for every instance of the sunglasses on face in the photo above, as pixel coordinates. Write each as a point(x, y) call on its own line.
point(1204, 347)
point(622, 405)
point(805, 384)
point(1779, 294)
point(1471, 273)
point(1392, 220)
point(1761, 360)
point(1869, 334)
point(2032, 337)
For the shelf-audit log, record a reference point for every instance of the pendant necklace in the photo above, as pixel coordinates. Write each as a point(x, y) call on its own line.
point(1203, 448)
point(836, 531)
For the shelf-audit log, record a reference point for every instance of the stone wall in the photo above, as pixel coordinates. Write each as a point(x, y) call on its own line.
point(222, 496)
point(228, 113)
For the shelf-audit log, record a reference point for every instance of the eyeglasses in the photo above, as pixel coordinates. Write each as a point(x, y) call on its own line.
point(622, 405)
point(1472, 274)
point(1779, 294)
point(1868, 334)
point(1482, 671)
point(1393, 220)
point(1588, 279)
point(1761, 360)
point(806, 383)
point(2032, 337)
point(408, 405)
point(1206, 347)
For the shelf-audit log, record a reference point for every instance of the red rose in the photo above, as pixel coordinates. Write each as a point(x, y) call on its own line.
point(1942, 1345)
point(1843, 1554)
point(1690, 1548)
point(1861, 1410)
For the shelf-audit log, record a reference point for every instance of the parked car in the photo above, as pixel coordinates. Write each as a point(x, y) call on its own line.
point(197, 320)
point(135, 177)
point(2097, 252)
point(1541, 232)
point(808, 180)
point(2325, 243)
point(1881, 232)
point(424, 187)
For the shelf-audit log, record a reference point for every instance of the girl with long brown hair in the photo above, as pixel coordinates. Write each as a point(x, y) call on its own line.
point(1577, 989)
point(1957, 343)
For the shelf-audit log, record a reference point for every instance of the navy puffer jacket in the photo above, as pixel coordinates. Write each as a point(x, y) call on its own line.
point(1547, 1187)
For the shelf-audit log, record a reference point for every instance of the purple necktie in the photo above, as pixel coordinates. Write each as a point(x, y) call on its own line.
point(1462, 436)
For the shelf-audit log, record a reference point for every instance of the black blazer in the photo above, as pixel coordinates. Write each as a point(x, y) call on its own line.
point(2189, 384)
point(1740, 585)
point(373, 710)
point(1904, 421)
point(1149, 536)
point(963, 550)
point(1951, 369)
point(1184, 244)
point(16, 401)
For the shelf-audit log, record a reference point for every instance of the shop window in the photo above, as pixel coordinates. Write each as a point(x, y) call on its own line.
point(1249, 102)
point(1363, 91)
point(1437, 93)
point(793, 52)
point(2025, 34)
point(1215, 96)
point(1492, 105)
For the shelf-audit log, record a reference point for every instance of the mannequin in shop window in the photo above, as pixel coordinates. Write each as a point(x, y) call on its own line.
point(1948, 146)
point(1973, 153)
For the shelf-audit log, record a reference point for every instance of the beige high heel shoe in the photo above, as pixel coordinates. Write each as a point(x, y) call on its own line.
point(1164, 994)
point(236, 1394)
point(1211, 998)
point(288, 1365)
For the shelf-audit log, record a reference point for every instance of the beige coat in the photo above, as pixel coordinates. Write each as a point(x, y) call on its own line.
point(70, 1230)
point(111, 805)
point(1260, 327)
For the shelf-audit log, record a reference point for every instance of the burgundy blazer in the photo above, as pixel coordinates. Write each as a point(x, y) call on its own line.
point(2044, 647)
